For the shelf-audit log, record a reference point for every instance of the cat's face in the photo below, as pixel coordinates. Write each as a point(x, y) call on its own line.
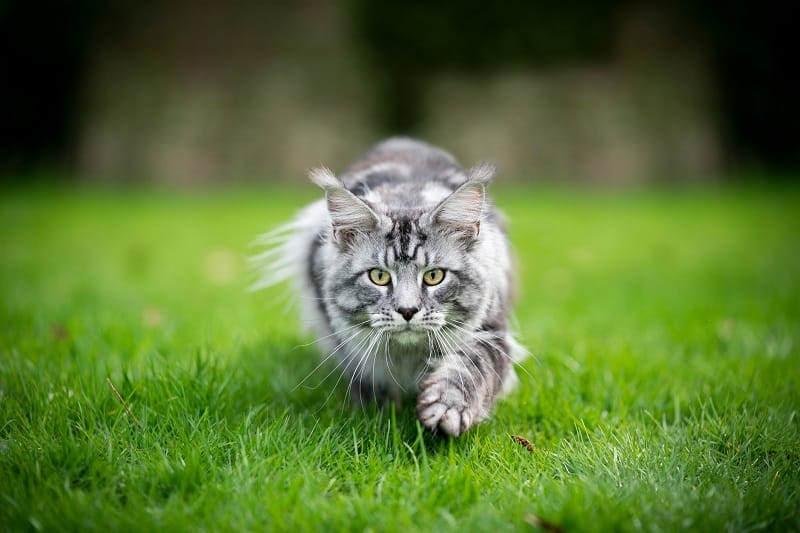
point(407, 277)
point(408, 272)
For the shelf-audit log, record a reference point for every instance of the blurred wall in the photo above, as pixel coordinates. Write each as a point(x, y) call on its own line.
point(199, 93)
point(604, 92)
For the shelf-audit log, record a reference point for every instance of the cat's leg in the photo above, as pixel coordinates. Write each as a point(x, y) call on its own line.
point(462, 387)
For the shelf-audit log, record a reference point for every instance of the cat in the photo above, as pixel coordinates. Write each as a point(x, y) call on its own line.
point(405, 271)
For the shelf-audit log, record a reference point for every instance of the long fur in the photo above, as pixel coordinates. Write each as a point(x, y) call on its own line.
point(405, 208)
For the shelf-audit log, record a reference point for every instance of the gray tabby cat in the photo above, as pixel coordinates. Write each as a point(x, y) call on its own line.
point(405, 271)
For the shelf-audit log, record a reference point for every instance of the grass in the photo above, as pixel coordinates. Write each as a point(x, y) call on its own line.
point(663, 393)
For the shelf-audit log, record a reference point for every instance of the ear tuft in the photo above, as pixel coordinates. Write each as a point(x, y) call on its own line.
point(350, 215)
point(324, 178)
point(483, 172)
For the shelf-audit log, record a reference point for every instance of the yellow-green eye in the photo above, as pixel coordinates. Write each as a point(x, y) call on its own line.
point(379, 277)
point(433, 276)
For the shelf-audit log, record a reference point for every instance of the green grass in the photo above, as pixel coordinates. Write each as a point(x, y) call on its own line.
point(663, 393)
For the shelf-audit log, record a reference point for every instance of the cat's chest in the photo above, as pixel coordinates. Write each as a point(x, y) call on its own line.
point(399, 370)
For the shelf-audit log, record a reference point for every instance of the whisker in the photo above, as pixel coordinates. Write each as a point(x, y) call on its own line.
point(453, 357)
point(472, 351)
point(331, 335)
point(350, 359)
point(505, 338)
point(372, 375)
point(482, 337)
point(428, 359)
point(359, 369)
point(363, 360)
point(325, 359)
point(460, 346)
point(388, 359)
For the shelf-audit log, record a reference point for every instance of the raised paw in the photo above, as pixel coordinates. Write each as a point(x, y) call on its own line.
point(443, 408)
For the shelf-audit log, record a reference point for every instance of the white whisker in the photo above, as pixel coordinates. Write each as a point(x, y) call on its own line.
point(335, 333)
point(325, 359)
point(453, 346)
point(482, 337)
point(388, 359)
point(351, 359)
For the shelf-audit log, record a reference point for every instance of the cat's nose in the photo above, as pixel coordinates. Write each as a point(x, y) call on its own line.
point(407, 312)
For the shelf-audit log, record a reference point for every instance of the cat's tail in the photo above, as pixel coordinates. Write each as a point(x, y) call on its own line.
point(517, 351)
point(282, 254)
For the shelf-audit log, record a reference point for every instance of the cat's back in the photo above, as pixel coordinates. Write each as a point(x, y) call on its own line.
point(401, 171)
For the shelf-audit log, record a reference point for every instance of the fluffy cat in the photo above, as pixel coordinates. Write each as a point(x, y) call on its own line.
point(404, 270)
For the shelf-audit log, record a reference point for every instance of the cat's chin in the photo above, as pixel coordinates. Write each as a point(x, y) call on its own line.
point(410, 336)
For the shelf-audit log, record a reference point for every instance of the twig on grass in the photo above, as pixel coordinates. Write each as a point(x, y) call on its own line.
point(545, 525)
point(525, 442)
point(123, 402)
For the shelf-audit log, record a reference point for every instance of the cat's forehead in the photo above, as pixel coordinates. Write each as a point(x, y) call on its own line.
point(404, 237)
point(405, 240)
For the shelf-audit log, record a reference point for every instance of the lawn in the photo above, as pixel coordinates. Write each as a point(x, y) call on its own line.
point(662, 392)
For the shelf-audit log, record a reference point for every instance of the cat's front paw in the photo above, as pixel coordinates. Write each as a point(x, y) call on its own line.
point(443, 408)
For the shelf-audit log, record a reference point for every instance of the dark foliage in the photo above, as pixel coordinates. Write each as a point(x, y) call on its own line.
point(44, 48)
point(407, 43)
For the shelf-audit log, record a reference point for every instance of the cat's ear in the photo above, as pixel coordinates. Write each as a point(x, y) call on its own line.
point(460, 213)
point(349, 214)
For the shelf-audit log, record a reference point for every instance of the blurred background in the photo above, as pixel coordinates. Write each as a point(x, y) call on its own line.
point(605, 92)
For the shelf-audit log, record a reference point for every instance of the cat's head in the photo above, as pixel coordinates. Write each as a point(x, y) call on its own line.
point(408, 270)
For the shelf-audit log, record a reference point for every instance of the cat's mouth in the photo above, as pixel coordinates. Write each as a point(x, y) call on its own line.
point(411, 329)
point(398, 328)
point(407, 327)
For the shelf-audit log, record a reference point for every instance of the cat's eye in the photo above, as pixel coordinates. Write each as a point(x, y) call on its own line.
point(379, 276)
point(433, 276)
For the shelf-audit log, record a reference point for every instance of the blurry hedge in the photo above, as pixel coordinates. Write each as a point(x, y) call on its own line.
point(98, 86)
